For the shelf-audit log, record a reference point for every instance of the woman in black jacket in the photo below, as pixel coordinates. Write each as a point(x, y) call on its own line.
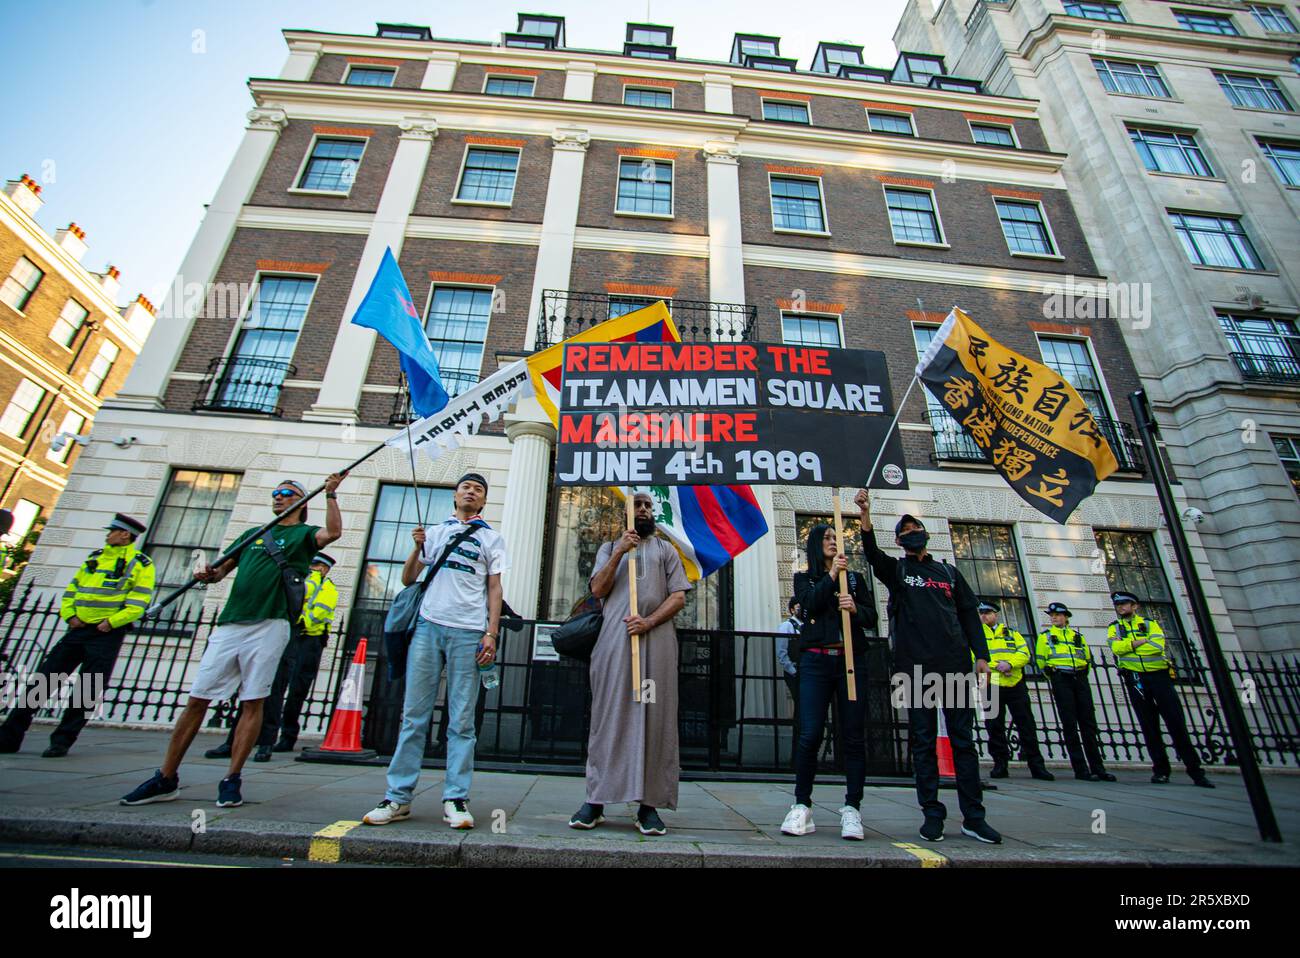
point(821, 675)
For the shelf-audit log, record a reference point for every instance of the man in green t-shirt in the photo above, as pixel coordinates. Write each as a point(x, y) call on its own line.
point(251, 633)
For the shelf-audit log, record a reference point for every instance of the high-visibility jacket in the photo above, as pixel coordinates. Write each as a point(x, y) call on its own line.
point(114, 583)
point(1006, 645)
point(1147, 657)
point(318, 608)
point(1061, 647)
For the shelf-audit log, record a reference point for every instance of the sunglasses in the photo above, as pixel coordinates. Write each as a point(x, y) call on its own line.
point(280, 493)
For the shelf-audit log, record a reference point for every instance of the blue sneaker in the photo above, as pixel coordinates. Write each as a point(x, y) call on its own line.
point(157, 789)
point(228, 792)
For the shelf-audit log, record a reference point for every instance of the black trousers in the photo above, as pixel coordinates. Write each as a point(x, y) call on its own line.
point(792, 683)
point(292, 684)
point(1014, 699)
point(1153, 697)
point(923, 731)
point(1073, 697)
point(96, 653)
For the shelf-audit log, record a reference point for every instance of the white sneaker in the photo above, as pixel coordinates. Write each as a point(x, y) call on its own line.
point(851, 824)
point(456, 814)
point(386, 812)
point(798, 821)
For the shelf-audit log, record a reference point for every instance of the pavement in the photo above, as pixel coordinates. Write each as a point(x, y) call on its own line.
point(311, 811)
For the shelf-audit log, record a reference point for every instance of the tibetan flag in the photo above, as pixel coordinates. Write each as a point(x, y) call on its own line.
point(389, 310)
point(709, 525)
point(1031, 424)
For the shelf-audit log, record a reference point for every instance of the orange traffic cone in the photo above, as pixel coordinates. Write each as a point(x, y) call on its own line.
point(943, 748)
point(343, 740)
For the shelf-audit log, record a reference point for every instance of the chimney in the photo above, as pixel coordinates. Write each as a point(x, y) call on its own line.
point(73, 240)
point(109, 279)
point(26, 192)
point(139, 317)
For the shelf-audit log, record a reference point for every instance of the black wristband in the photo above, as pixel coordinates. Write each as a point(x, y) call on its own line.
point(331, 495)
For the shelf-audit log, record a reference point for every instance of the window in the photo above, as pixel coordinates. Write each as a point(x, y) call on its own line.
point(1025, 228)
point(950, 440)
point(1096, 11)
point(854, 553)
point(645, 186)
point(919, 70)
point(1215, 241)
point(509, 86)
point(267, 337)
point(399, 32)
point(21, 283)
point(25, 513)
point(550, 27)
point(651, 36)
point(797, 205)
point(100, 367)
point(371, 76)
point(457, 329)
point(988, 560)
point(69, 323)
point(1255, 93)
point(1134, 79)
point(800, 330)
point(757, 48)
point(648, 54)
point(776, 66)
point(513, 40)
point(898, 124)
point(785, 111)
point(639, 96)
point(837, 55)
point(993, 135)
point(397, 511)
point(1265, 348)
point(488, 176)
point(1071, 360)
point(1206, 23)
point(1285, 158)
point(1165, 151)
point(27, 397)
point(622, 305)
point(1272, 18)
point(332, 166)
point(912, 216)
point(1288, 450)
point(192, 518)
point(72, 424)
point(1132, 566)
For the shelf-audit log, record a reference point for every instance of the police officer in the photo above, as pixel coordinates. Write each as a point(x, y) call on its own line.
point(1139, 647)
point(1064, 656)
point(1008, 656)
point(111, 590)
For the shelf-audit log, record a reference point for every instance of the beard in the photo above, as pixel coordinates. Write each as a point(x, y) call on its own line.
point(645, 528)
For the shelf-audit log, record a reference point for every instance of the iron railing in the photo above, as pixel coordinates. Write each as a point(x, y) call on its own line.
point(954, 444)
point(734, 711)
point(1126, 446)
point(568, 312)
point(234, 384)
point(454, 382)
point(1263, 368)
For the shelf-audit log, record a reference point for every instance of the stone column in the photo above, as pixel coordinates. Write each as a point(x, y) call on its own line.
point(147, 381)
point(350, 358)
point(441, 71)
point(559, 221)
point(301, 63)
point(717, 93)
point(580, 80)
point(523, 523)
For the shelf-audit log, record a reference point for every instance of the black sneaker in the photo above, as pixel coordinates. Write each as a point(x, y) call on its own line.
point(283, 746)
point(10, 743)
point(55, 751)
point(1104, 776)
point(1087, 777)
point(221, 751)
point(263, 754)
point(981, 831)
point(589, 816)
point(228, 792)
point(932, 830)
point(1202, 782)
point(648, 822)
point(1159, 779)
point(157, 789)
point(999, 771)
point(1042, 774)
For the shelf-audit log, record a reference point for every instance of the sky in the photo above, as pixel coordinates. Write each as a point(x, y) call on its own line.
point(132, 109)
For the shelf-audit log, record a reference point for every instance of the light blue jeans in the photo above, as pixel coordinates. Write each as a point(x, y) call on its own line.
point(433, 647)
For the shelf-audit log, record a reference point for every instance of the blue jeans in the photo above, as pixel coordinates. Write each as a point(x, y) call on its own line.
point(432, 647)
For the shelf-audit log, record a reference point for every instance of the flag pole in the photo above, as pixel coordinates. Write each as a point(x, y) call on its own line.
point(410, 447)
point(845, 626)
point(889, 432)
point(631, 593)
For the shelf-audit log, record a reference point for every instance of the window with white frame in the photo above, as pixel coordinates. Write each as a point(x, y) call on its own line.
point(25, 513)
point(488, 176)
point(1169, 151)
point(650, 97)
point(27, 398)
point(1215, 240)
point(332, 166)
point(621, 305)
point(1264, 344)
point(71, 426)
point(1199, 22)
point(457, 326)
point(1285, 159)
point(1133, 79)
point(21, 283)
point(1133, 566)
point(986, 556)
point(989, 134)
point(1072, 361)
point(192, 518)
point(912, 216)
point(71, 318)
point(895, 124)
point(509, 86)
point(645, 186)
point(371, 76)
point(950, 440)
point(100, 367)
point(1025, 227)
point(268, 335)
point(1288, 451)
point(397, 509)
point(785, 111)
point(1253, 92)
point(1271, 18)
point(801, 329)
point(1096, 11)
point(797, 204)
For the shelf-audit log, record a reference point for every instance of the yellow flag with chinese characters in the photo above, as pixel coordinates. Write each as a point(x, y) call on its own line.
point(1030, 423)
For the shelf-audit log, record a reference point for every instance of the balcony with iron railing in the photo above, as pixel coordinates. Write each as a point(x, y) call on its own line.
point(242, 384)
point(568, 312)
point(953, 444)
point(1268, 368)
point(454, 382)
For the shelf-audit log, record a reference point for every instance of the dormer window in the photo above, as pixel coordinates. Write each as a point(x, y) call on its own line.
point(917, 68)
point(748, 45)
point(402, 31)
point(830, 56)
point(648, 34)
point(534, 27)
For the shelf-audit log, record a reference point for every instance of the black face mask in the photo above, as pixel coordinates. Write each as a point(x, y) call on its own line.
point(645, 528)
point(914, 541)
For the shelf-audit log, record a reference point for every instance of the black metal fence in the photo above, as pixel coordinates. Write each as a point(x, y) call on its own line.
point(735, 714)
point(243, 384)
point(568, 312)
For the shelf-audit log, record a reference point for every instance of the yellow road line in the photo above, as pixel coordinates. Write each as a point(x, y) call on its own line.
point(120, 861)
point(326, 843)
point(929, 859)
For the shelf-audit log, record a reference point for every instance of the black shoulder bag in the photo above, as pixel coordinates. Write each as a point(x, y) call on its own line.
point(295, 583)
point(404, 613)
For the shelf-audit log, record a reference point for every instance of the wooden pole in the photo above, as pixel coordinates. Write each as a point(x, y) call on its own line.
point(844, 613)
point(631, 595)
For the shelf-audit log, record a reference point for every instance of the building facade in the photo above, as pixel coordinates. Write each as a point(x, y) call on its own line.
point(528, 189)
point(1180, 126)
point(65, 346)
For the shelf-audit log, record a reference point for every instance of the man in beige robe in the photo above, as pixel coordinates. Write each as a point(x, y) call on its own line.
point(632, 752)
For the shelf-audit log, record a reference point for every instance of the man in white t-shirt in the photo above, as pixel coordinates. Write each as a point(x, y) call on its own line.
point(458, 624)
